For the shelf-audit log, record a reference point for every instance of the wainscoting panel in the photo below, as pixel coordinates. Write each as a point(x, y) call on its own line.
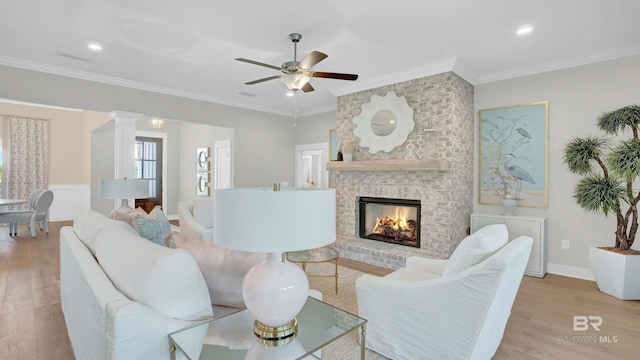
point(69, 201)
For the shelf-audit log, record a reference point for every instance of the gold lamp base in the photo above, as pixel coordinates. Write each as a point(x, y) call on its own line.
point(275, 336)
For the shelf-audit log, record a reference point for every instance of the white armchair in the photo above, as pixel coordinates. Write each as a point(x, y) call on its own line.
point(462, 314)
point(471, 250)
point(196, 219)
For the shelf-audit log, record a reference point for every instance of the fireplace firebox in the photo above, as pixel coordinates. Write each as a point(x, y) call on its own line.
point(394, 221)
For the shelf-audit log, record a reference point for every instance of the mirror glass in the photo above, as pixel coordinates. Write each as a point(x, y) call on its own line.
point(383, 123)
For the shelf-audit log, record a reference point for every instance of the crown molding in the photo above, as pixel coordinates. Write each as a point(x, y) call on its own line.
point(398, 76)
point(9, 101)
point(82, 75)
point(561, 64)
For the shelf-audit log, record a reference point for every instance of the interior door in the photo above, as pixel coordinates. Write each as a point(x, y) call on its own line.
point(222, 164)
point(310, 165)
point(148, 166)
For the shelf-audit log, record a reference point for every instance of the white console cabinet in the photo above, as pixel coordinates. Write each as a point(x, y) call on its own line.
point(536, 227)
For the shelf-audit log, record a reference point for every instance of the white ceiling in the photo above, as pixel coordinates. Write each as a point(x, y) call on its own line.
point(188, 47)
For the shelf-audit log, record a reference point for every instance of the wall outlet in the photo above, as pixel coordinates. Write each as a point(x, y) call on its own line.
point(564, 244)
point(284, 184)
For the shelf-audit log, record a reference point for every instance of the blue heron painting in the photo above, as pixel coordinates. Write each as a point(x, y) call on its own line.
point(513, 154)
point(517, 172)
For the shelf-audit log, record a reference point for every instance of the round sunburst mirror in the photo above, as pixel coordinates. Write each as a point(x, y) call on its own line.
point(384, 122)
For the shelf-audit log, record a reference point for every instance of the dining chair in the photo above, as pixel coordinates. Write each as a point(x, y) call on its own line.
point(38, 213)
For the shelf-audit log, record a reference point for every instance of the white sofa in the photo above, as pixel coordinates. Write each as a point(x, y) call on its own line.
point(122, 294)
point(426, 311)
point(196, 219)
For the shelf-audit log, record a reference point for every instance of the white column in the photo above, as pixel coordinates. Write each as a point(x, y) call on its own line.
point(125, 143)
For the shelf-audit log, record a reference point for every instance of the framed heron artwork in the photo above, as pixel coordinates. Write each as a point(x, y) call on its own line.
point(513, 154)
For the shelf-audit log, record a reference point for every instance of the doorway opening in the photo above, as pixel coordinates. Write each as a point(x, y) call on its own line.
point(148, 164)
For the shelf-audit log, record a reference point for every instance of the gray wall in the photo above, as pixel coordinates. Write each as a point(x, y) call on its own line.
point(315, 128)
point(263, 142)
point(577, 96)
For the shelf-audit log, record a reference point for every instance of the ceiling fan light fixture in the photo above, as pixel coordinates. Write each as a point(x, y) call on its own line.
point(295, 81)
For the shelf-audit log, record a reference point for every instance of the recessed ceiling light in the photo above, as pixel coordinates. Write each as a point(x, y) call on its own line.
point(525, 30)
point(290, 93)
point(94, 46)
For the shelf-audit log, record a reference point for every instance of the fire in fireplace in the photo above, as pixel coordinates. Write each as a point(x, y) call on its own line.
point(390, 220)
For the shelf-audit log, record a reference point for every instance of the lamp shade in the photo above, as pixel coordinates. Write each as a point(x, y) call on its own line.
point(123, 189)
point(263, 220)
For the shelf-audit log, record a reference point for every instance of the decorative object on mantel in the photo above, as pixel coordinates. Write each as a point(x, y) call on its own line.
point(410, 148)
point(509, 205)
point(421, 150)
point(347, 151)
point(384, 122)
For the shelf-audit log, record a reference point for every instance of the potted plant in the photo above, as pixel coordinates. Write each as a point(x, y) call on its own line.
point(610, 168)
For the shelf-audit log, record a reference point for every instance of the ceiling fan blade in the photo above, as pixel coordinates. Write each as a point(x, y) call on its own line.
point(312, 59)
point(259, 63)
point(262, 80)
point(330, 75)
point(307, 88)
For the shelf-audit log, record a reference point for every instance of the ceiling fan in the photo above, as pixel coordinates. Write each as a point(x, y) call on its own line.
point(296, 74)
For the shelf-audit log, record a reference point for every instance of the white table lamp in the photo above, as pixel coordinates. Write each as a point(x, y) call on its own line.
point(123, 189)
point(274, 222)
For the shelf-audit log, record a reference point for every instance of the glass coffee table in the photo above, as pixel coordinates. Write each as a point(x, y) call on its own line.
point(319, 255)
point(231, 337)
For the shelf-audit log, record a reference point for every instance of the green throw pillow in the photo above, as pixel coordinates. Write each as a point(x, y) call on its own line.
point(154, 227)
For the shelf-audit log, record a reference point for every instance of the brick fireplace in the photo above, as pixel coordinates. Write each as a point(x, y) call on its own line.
point(443, 116)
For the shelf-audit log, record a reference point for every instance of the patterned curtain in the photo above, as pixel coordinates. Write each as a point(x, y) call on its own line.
point(26, 157)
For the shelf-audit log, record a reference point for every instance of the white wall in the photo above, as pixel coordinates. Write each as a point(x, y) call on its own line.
point(577, 96)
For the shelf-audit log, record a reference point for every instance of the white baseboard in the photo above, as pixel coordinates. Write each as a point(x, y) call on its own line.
point(570, 271)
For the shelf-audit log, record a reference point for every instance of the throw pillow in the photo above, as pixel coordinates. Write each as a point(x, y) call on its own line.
point(472, 250)
point(153, 226)
point(223, 269)
point(128, 216)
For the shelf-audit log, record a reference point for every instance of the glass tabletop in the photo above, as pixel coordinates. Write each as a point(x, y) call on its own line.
point(231, 337)
point(323, 254)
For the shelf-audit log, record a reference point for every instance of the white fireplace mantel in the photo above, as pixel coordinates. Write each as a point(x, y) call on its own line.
point(434, 164)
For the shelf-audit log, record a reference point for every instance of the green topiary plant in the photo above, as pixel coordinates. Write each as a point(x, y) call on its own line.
point(610, 189)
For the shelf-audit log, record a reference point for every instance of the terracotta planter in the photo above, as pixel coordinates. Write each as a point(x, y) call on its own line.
point(616, 274)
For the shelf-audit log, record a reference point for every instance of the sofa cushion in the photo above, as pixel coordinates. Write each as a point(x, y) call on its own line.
point(202, 211)
point(166, 280)
point(472, 250)
point(90, 223)
point(153, 226)
point(223, 269)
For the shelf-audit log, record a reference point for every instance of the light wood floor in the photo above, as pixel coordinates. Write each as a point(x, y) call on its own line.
point(541, 325)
